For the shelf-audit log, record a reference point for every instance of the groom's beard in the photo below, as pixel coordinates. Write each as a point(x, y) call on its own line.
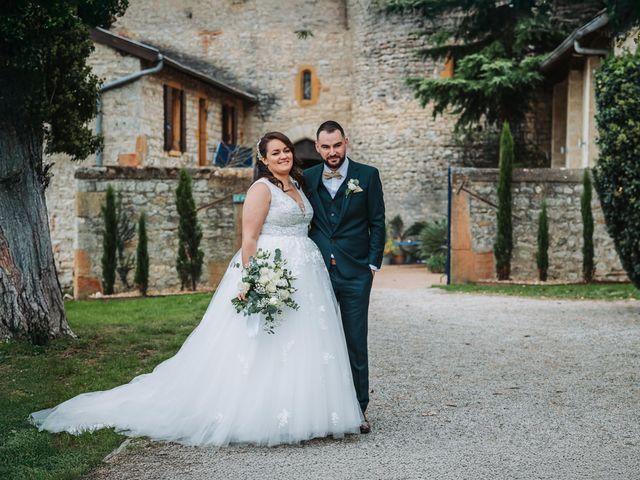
point(335, 167)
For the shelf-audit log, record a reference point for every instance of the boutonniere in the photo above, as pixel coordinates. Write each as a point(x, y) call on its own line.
point(353, 186)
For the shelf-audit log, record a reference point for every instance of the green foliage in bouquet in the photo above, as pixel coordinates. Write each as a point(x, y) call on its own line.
point(267, 286)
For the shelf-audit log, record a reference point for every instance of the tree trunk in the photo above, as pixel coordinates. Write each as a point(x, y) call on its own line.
point(31, 305)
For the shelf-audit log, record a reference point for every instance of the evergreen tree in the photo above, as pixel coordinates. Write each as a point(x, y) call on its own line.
point(542, 255)
point(504, 237)
point(142, 257)
point(190, 257)
point(496, 47)
point(126, 233)
point(109, 241)
point(588, 267)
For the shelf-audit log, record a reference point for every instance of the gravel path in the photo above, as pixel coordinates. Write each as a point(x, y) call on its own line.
point(464, 387)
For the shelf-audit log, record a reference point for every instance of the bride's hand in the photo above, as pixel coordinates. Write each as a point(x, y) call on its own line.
point(242, 297)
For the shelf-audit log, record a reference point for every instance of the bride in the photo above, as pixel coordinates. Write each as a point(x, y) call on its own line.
point(231, 382)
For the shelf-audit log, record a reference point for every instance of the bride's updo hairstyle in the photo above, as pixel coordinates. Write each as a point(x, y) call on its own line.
point(261, 169)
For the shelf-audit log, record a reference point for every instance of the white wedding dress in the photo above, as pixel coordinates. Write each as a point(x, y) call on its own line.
point(227, 384)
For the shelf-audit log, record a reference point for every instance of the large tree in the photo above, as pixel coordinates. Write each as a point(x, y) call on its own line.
point(47, 96)
point(497, 47)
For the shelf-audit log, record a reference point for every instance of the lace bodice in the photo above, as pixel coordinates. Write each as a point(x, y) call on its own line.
point(286, 217)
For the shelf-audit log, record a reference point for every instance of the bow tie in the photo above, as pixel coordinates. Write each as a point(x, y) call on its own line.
point(332, 174)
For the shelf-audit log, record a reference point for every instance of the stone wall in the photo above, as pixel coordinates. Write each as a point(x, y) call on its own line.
point(389, 128)
point(152, 190)
point(473, 225)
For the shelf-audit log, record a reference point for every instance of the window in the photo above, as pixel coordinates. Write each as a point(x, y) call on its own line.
point(306, 85)
point(229, 125)
point(174, 120)
point(447, 71)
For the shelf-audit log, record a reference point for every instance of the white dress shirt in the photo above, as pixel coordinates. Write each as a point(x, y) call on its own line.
point(333, 184)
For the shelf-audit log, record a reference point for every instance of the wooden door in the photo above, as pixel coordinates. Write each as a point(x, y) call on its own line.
point(202, 132)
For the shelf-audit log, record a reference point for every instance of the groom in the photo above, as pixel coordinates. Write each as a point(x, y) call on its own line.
point(349, 228)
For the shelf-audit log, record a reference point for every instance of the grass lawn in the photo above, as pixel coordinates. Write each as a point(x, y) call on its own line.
point(117, 340)
point(591, 291)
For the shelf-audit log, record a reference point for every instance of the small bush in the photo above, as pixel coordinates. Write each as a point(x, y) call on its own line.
point(437, 263)
point(433, 239)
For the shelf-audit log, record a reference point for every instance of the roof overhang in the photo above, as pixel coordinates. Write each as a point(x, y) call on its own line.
point(151, 54)
point(566, 48)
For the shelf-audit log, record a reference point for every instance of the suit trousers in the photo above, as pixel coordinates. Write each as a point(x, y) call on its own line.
point(353, 297)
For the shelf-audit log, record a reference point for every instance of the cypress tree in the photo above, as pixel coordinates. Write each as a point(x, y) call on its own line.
point(588, 267)
point(126, 233)
point(109, 241)
point(542, 255)
point(142, 257)
point(504, 237)
point(190, 257)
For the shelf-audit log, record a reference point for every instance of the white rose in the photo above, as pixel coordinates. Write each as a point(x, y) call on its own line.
point(284, 294)
point(264, 271)
point(243, 287)
point(271, 288)
point(263, 280)
point(273, 301)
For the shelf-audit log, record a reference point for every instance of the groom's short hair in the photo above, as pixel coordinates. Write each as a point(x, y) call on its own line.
point(329, 126)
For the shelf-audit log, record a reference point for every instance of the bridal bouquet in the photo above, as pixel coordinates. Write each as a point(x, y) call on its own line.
point(267, 286)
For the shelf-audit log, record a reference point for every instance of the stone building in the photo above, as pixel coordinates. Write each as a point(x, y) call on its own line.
point(233, 70)
point(241, 68)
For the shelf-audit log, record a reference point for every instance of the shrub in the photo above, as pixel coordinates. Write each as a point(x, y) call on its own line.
point(588, 267)
point(617, 172)
point(542, 255)
point(437, 263)
point(433, 239)
point(142, 257)
point(109, 241)
point(504, 237)
point(125, 233)
point(190, 257)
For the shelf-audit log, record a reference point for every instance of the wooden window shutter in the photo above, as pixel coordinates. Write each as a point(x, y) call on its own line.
point(234, 126)
point(183, 122)
point(168, 116)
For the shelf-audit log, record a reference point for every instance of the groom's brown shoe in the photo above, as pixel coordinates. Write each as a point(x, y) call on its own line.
point(365, 427)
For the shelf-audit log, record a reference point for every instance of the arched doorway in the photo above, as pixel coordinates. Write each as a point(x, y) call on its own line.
point(306, 153)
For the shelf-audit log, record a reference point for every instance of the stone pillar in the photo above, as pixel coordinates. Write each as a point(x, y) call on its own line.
point(574, 119)
point(559, 127)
